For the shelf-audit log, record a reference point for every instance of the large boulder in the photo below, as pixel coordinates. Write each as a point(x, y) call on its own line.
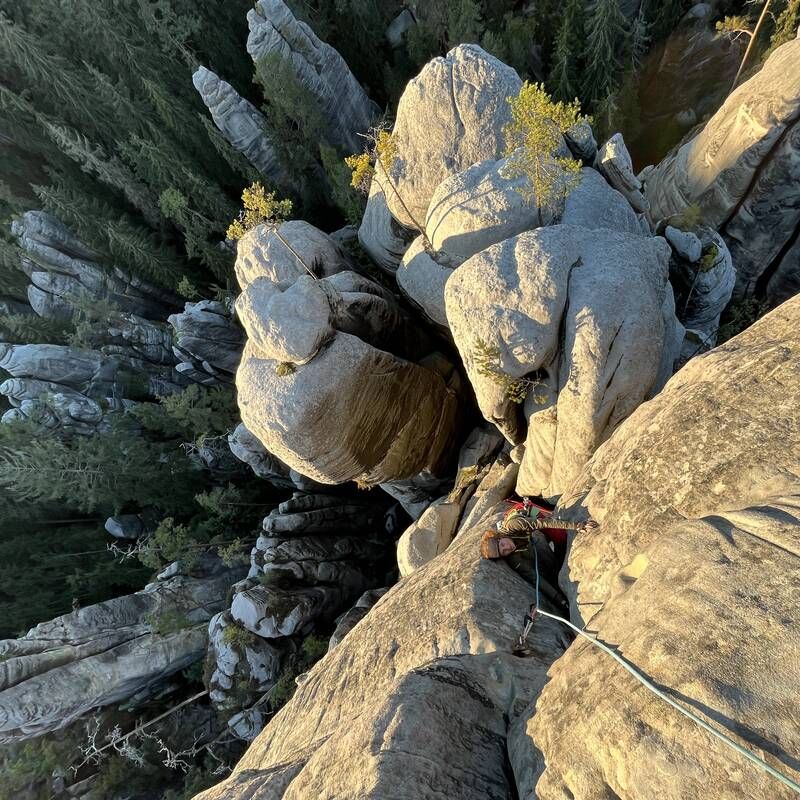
point(742, 171)
point(275, 33)
point(105, 653)
point(449, 117)
point(320, 356)
point(581, 322)
point(241, 123)
point(427, 675)
point(693, 576)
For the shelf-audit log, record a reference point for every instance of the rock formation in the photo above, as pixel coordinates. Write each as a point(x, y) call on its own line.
point(207, 342)
point(742, 171)
point(320, 357)
point(105, 653)
point(456, 107)
point(697, 490)
point(583, 319)
point(428, 673)
point(275, 33)
point(703, 276)
point(242, 124)
point(60, 267)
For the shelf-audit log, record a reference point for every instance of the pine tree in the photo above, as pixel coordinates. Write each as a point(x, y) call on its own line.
point(564, 73)
point(606, 31)
point(464, 22)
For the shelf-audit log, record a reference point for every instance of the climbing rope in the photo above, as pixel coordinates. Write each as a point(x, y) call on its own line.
point(759, 762)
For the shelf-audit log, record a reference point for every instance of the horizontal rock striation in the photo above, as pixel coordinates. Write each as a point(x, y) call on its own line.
point(105, 653)
point(242, 124)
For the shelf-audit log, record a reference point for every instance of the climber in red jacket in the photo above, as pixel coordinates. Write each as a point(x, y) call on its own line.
point(526, 526)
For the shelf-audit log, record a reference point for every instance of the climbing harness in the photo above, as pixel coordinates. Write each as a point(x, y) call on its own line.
point(522, 649)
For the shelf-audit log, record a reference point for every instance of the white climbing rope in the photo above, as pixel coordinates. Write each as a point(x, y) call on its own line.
point(759, 762)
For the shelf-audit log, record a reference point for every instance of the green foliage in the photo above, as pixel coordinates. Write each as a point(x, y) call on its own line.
point(32, 329)
point(532, 138)
point(738, 316)
point(35, 467)
point(260, 208)
point(344, 196)
point(312, 649)
point(786, 25)
point(565, 71)
point(606, 35)
point(104, 88)
point(166, 622)
point(709, 258)
point(28, 767)
point(689, 218)
point(235, 554)
point(170, 542)
point(284, 368)
point(237, 636)
point(188, 415)
point(488, 362)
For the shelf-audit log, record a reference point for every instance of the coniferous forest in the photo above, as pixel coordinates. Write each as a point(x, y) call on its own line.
point(105, 137)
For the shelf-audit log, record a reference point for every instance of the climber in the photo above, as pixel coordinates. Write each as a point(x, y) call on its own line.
point(528, 525)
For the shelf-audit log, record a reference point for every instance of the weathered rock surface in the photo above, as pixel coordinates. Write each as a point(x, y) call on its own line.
point(580, 315)
point(478, 207)
point(320, 357)
point(103, 654)
point(456, 108)
point(207, 342)
point(422, 278)
point(60, 267)
point(241, 665)
point(742, 171)
point(594, 204)
point(702, 289)
point(89, 372)
point(698, 489)
point(614, 161)
point(318, 67)
point(436, 527)
point(347, 621)
point(242, 124)
point(429, 675)
point(267, 252)
point(247, 448)
point(384, 239)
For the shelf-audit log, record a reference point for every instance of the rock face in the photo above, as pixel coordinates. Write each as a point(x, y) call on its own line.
point(316, 556)
point(105, 653)
point(383, 238)
point(242, 124)
point(456, 107)
point(347, 621)
point(207, 342)
point(742, 171)
point(61, 267)
point(703, 285)
point(584, 318)
point(429, 675)
point(698, 490)
point(319, 357)
point(614, 161)
point(318, 67)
